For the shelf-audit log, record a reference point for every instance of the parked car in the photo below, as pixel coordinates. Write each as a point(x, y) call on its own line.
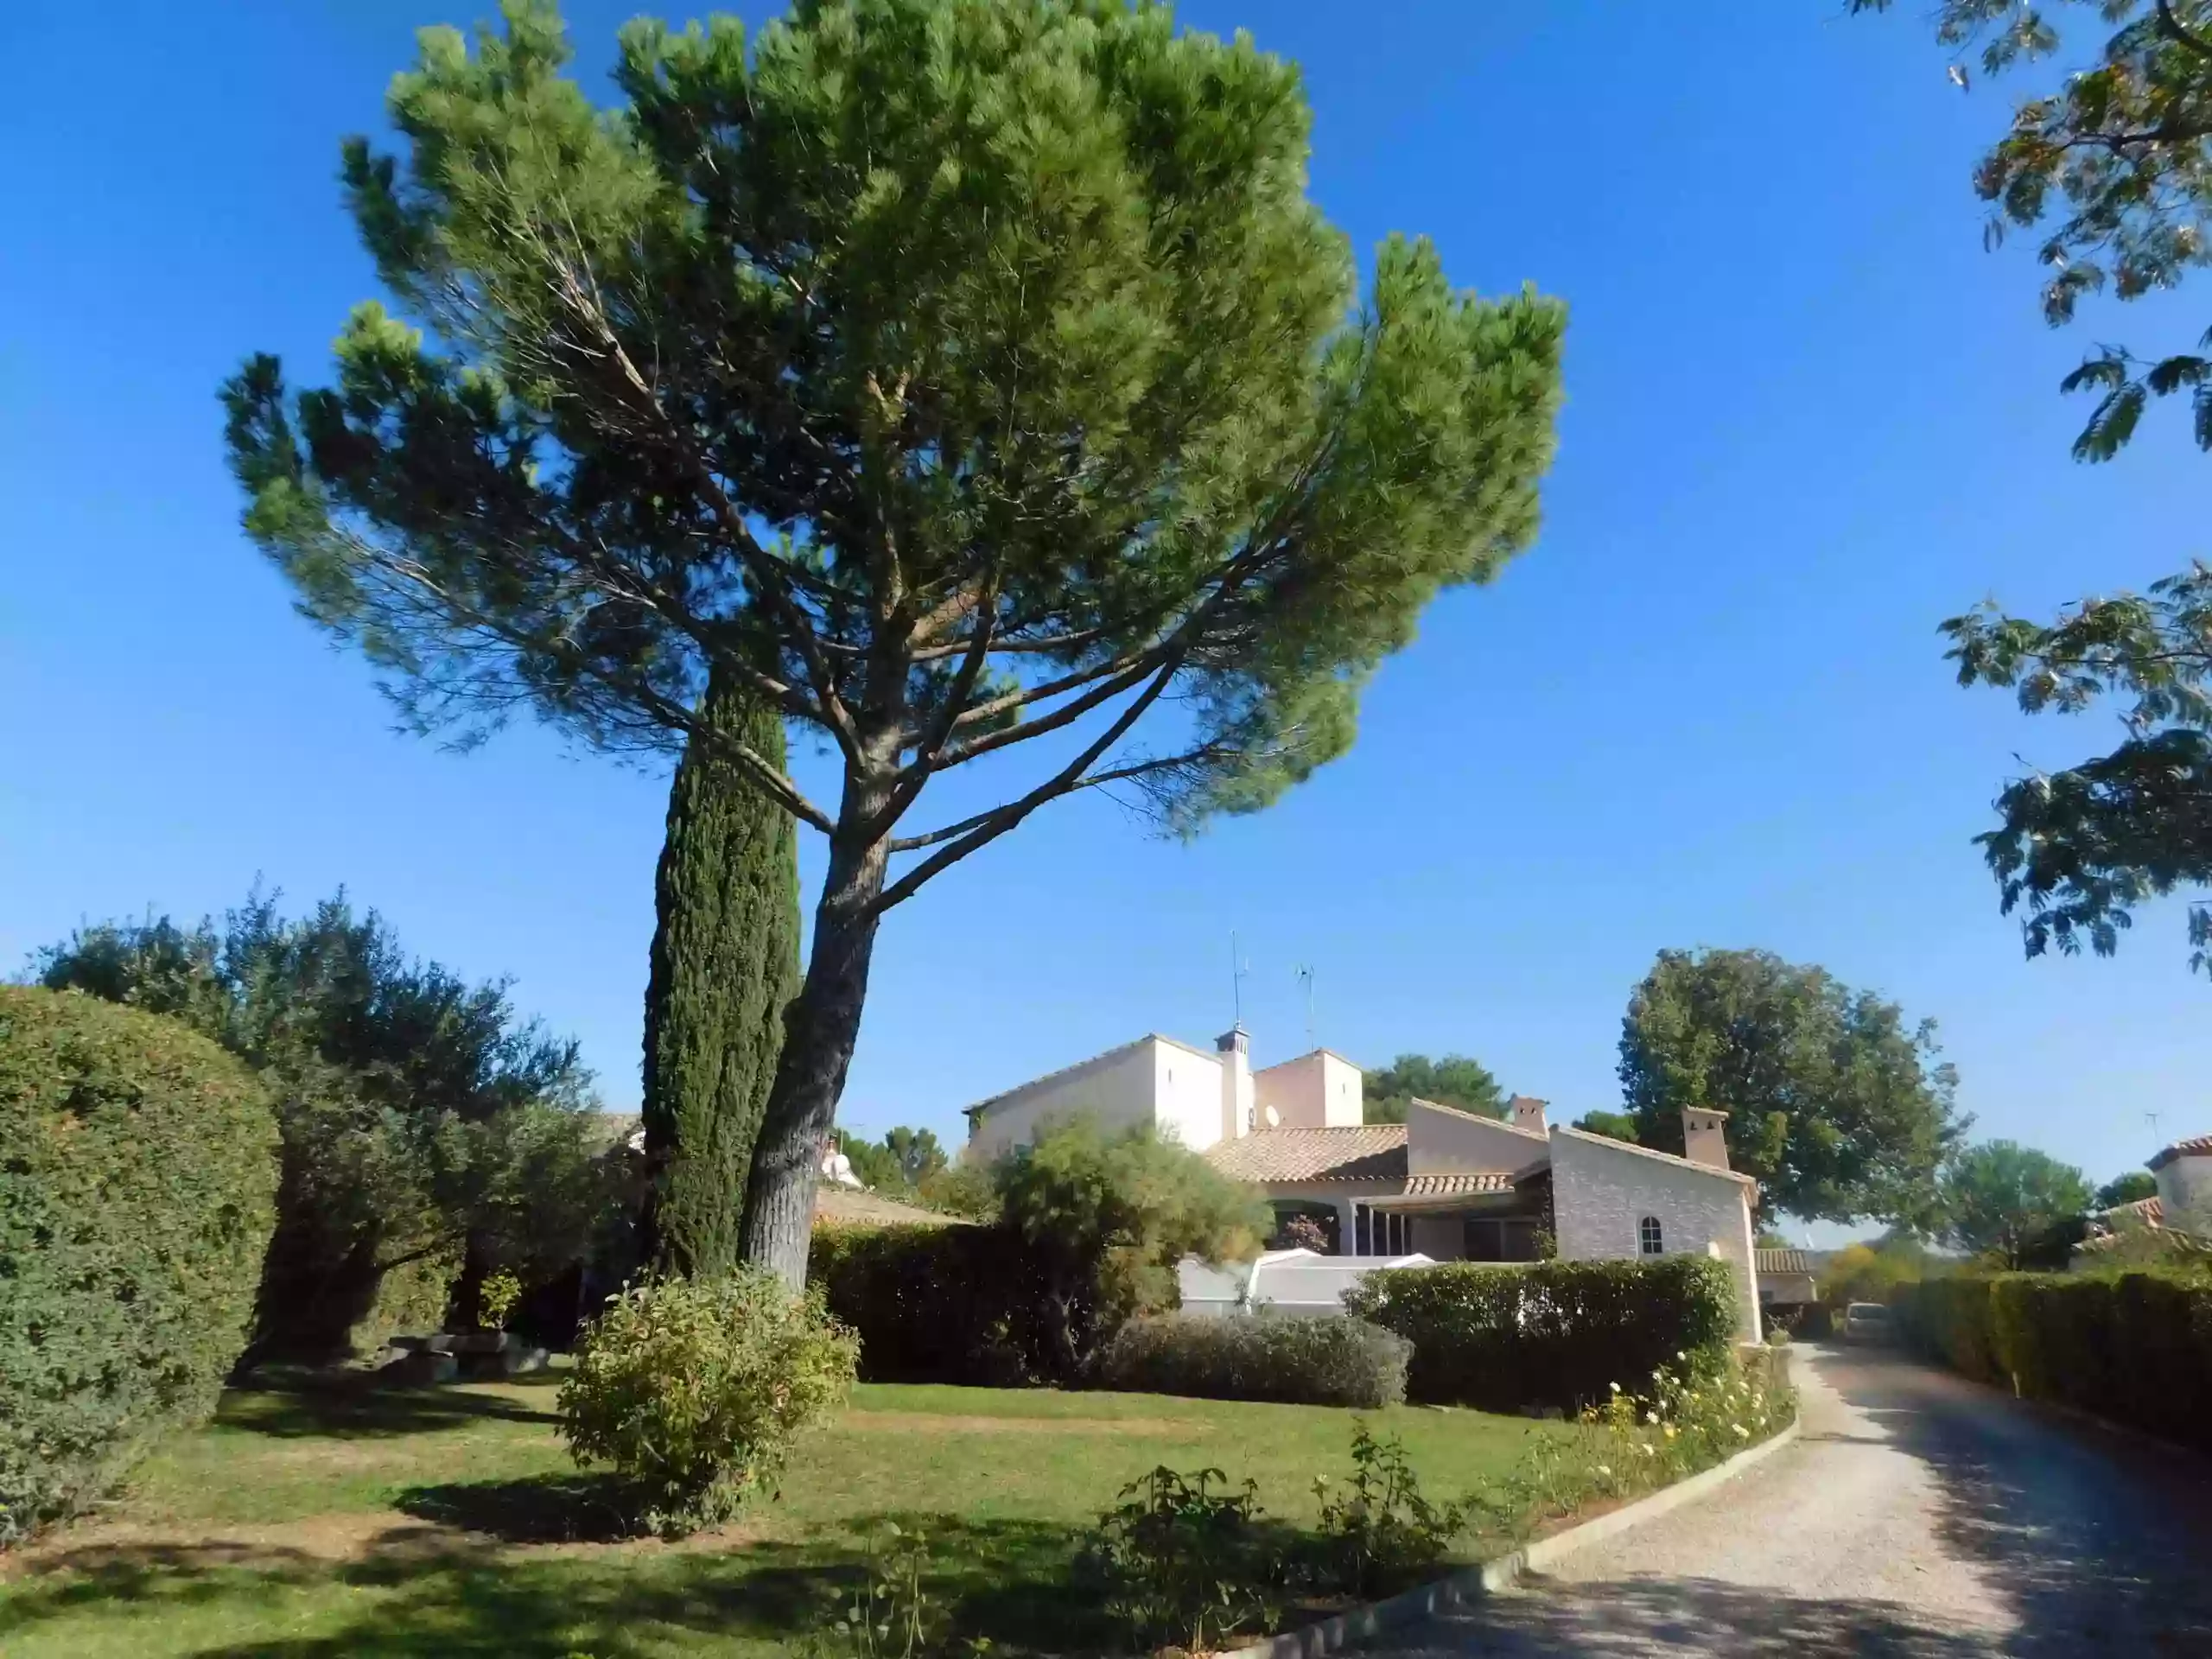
point(1866, 1322)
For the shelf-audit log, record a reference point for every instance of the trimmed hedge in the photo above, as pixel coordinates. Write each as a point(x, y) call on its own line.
point(1949, 1319)
point(137, 1190)
point(1296, 1362)
point(1549, 1333)
point(2134, 1348)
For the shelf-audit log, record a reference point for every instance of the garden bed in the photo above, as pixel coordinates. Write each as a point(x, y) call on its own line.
point(449, 1522)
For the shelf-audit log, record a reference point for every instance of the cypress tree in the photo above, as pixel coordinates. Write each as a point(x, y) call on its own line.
point(725, 964)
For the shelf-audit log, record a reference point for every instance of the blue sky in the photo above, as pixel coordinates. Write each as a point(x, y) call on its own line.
point(1808, 418)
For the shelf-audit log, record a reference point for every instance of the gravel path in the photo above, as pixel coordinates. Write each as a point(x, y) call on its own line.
point(1917, 1517)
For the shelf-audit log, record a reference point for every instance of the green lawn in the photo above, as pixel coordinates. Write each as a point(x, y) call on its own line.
point(450, 1522)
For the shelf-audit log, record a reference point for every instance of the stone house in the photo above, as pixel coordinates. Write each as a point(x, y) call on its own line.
point(1786, 1281)
point(1445, 1184)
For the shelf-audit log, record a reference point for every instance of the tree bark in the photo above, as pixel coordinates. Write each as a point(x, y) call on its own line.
point(823, 1024)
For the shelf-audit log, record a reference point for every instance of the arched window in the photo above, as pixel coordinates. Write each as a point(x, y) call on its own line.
point(1646, 1236)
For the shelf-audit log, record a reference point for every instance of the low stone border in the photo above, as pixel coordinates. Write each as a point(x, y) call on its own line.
point(1500, 1573)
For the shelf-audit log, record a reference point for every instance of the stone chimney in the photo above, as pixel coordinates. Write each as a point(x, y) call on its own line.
point(1238, 1108)
point(1705, 1137)
point(1528, 1113)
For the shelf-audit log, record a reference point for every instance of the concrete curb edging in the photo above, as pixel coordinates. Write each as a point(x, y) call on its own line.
point(1486, 1579)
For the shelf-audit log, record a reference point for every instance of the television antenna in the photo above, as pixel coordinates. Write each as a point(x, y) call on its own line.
point(2151, 1118)
point(1304, 974)
point(1238, 968)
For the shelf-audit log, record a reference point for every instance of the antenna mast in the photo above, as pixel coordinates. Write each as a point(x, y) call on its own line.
point(1237, 968)
point(1304, 974)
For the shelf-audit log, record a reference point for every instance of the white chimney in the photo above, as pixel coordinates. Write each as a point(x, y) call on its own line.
point(1705, 1136)
point(1529, 1113)
point(1235, 1048)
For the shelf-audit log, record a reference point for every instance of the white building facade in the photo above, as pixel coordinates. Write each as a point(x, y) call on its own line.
point(2184, 1171)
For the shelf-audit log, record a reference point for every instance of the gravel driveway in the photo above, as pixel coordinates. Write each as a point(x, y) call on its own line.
point(1917, 1517)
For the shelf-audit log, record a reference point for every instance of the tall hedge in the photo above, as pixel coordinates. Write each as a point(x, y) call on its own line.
point(1549, 1333)
point(137, 1191)
point(2134, 1348)
point(954, 1304)
point(725, 964)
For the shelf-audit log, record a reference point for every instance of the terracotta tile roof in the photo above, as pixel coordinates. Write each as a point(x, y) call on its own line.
point(2198, 1146)
point(2165, 1238)
point(1369, 1152)
point(2147, 1212)
point(1486, 1180)
point(1783, 1262)
point(847, 1206)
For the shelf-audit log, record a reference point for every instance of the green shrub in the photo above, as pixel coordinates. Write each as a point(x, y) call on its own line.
point(2134, 1348)
point(1379, 1532)
point(695, 1390)
point(410, 1298)
point(1299, 1361)
point(1547, 1333)
point(892, 1614)
point(497, 1299)
point(1183, 1560)
point(1103, 1219)
point(1089, 1231)
point(419, 1114)
point(137, 1189)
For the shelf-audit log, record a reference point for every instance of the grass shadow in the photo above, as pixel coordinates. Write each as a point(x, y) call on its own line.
point(168, 1576)
point(555, 1509)
point(1011, 1581)
point(365, 1409)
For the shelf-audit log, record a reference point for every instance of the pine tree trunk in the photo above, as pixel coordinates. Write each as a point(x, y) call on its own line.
point(725, 966)
point(823, 1024)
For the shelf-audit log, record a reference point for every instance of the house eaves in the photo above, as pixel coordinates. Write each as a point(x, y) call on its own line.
point(1606, 1141)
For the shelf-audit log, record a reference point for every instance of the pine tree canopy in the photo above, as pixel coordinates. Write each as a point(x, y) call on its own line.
point(952, 370)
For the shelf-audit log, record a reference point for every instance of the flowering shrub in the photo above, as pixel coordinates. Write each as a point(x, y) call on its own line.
point(696, 1389)
point(1687, 1417)
point(1701, 1410)
point(1304, 1233)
